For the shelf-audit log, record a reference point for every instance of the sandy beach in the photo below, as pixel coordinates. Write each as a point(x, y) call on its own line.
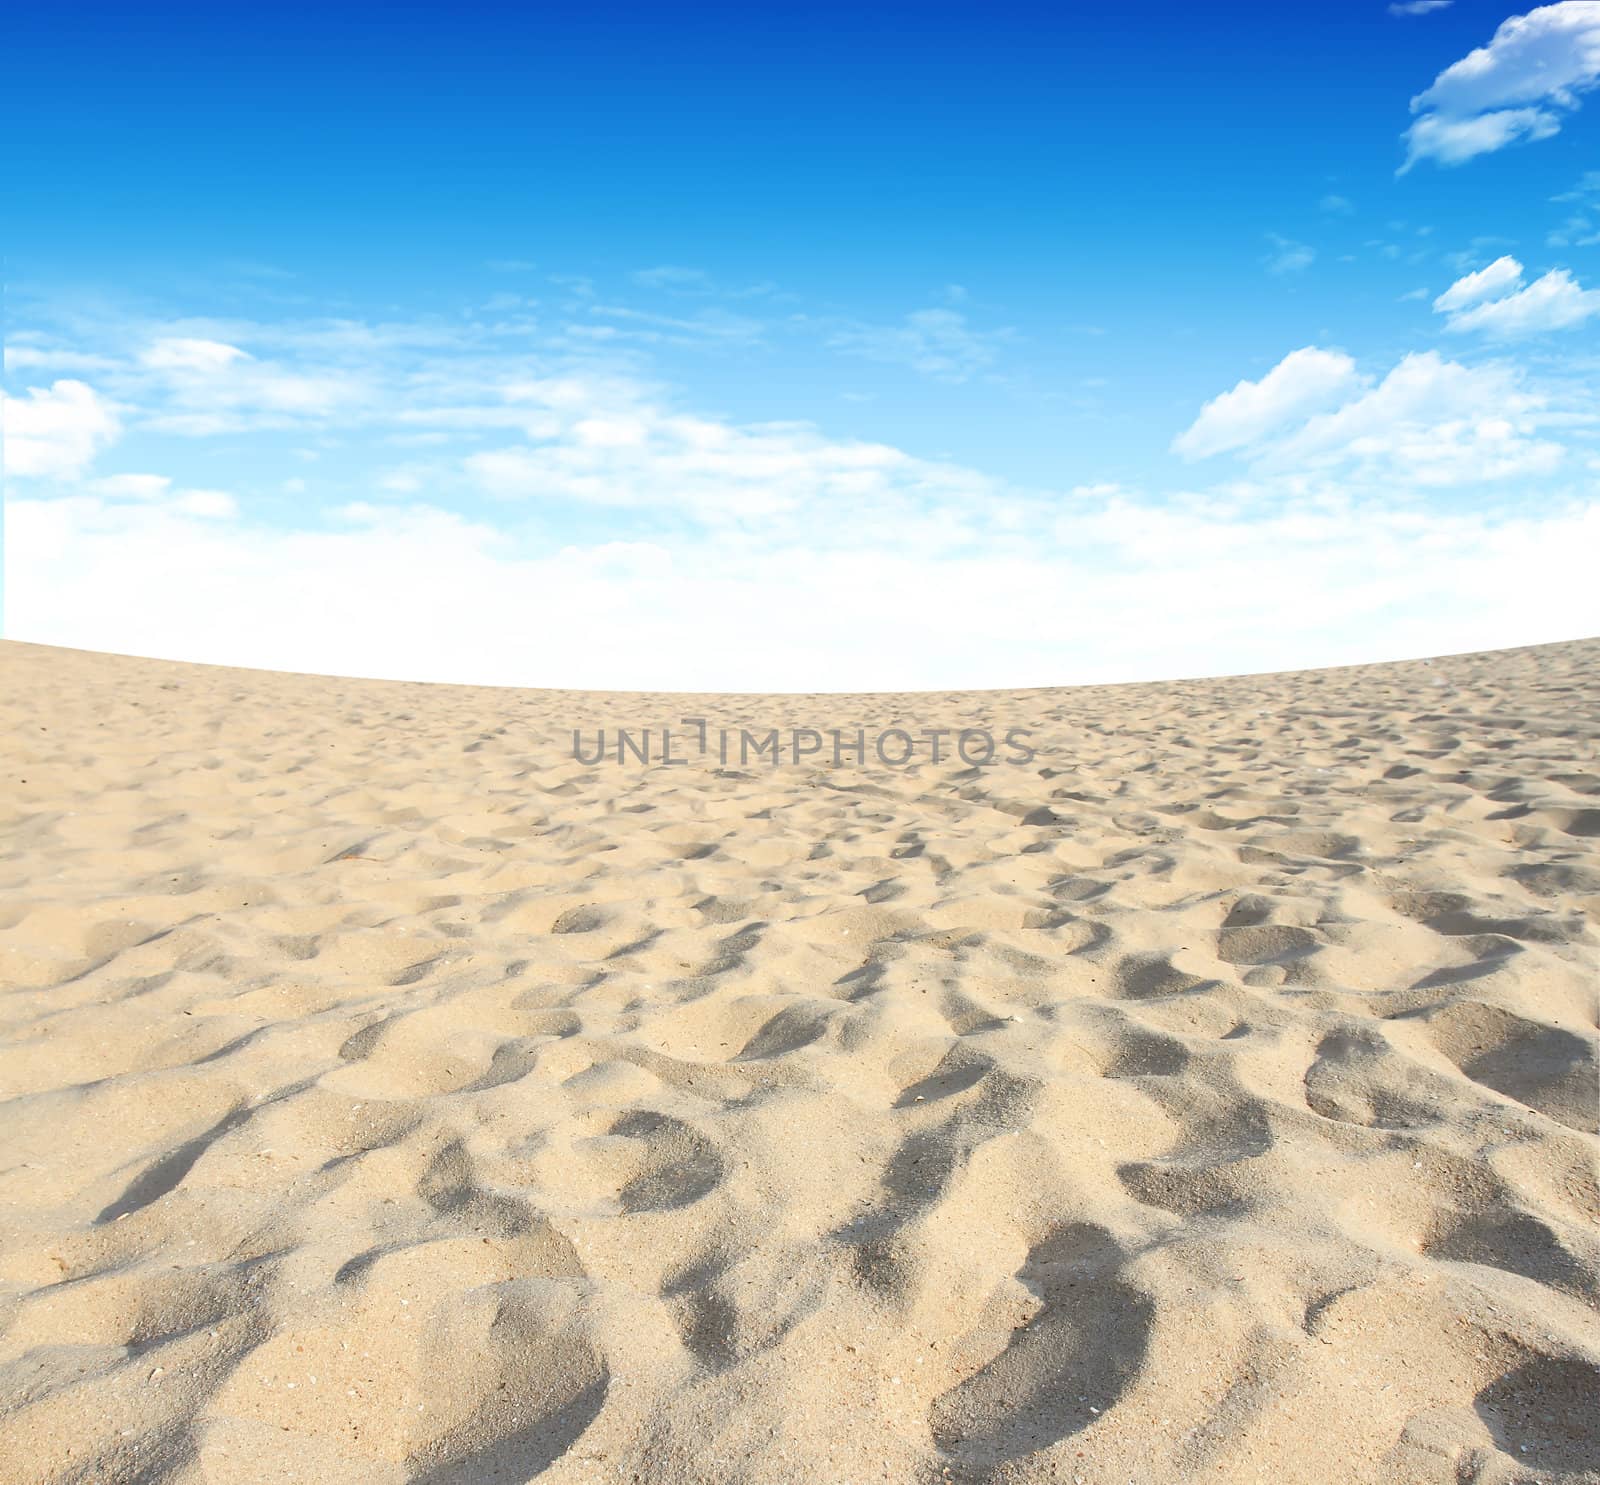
point(389, 1095)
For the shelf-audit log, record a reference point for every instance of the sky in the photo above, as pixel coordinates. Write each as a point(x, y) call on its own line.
point(813, 348)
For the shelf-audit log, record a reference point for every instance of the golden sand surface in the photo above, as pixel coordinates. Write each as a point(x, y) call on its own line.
point(387, 1095)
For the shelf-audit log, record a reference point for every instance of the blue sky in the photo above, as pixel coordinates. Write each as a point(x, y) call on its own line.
point(390, 340)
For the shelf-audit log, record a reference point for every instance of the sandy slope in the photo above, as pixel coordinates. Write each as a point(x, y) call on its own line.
point(390, 1097)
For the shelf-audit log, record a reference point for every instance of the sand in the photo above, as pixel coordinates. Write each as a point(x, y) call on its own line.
point(389, 1096)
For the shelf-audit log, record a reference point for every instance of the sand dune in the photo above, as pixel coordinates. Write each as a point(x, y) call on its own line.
point(389, 1096)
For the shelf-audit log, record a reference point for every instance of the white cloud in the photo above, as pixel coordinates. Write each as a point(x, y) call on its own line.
point(697, 551)
point(675, 279)
point(1587, 189)
point(939, 343)
point(1576, 231)
point(1418, 7)
point(709, 325)
point(1581, 228)
point(1554, 302)
point(1304, 382)
point(183, 353)
point(210, 505)
point(156, 489)
point(608, 445)
point(1453, 141)
point(1501, 276)
point(1515, 88)
point(1427, 424)
point(1115, 589)
point(55, 432)
point(22, 355)
point(1289, 256)
point(210, 387)
point(132, 486)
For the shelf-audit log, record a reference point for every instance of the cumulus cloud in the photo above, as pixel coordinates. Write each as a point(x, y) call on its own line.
point(55, 432)
point(1304, 382)
point(1427, 424)
point(1498, 278)
point(1494, 303)
point(1516, 88)
point(1555, 302)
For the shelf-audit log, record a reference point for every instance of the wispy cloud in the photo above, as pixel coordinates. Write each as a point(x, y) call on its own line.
point(1582, 227)
point(1418, 7)
point(1288, 256)
point(185, 354)
point(1514, 89)
point(33, 355)
point(248, 268)
point(1587, 189)
point(939, 343)
point(711, 324)
point(210, 386)
point(675, 279)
